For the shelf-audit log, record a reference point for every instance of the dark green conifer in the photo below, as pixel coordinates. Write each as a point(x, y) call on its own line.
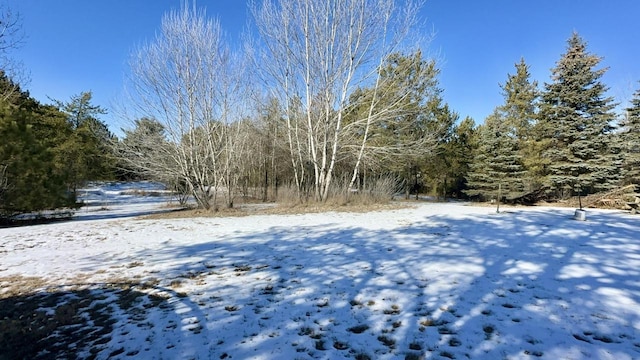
point(496, 172)
point(576, 117)
point(630, 141)
point(520, 111)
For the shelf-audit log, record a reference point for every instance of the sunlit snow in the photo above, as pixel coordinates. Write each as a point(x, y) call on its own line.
point(445, 280)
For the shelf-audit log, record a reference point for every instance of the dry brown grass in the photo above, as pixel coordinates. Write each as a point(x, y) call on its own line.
point(377, 197)
point(18, 285)
point(279, 209)
point(569, 203)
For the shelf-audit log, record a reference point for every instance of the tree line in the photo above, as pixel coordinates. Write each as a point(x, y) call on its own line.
point(339, 107)
point(48, 151)
point(564, 140)
point(328, 101)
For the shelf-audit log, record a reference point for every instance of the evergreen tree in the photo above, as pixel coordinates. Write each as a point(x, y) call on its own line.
point(141, 148)
point(496, 171)
point(410, 118)
point(33, 174)
point(520, 96)
point(439, 169)
point(519, 112)
point(79, 110)
point(88, 150)
point(425, 121)
point(460, 150)
point(32, 179)
point(576, 117)
point(630, 141)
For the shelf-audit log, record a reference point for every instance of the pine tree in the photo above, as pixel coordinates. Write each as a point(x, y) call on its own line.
point(496, 171)
point(458, 154)
point(32, 180)
point(576, 117)
point(630, 141)
point(520, 112)
point(437, 169)
point(409, 118)
point(88, 149)
point(141, 149)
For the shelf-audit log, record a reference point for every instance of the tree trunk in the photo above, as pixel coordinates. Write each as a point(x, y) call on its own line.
point(499, 197)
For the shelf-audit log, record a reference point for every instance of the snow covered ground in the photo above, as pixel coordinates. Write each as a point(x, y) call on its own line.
point(123, 199)
point(434, 281)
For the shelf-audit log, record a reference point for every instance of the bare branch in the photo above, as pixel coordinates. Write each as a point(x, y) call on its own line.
point(188, 81)
point(319, 52)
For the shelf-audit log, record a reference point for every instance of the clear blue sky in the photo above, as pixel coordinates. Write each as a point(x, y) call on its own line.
point(80, 45)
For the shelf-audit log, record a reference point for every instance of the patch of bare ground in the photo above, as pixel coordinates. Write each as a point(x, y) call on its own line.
point(620, 198)
point(248, 209)
point(18, 285)
point(558, 204)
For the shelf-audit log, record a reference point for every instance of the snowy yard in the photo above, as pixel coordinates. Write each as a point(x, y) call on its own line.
point(435, 281)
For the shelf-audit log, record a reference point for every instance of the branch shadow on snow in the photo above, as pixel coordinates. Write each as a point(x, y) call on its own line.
point(523, 284)
point(512, 285)
point(88, 320)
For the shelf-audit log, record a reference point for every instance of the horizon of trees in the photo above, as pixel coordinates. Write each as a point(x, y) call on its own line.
point(344, 107)
point(558, 142)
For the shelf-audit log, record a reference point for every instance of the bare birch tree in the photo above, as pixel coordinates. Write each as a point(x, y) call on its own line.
point(188, 80)
point(11, 37)
point(316, 53)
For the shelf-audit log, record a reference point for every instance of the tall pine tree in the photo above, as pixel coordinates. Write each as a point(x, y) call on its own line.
point(458, 152)
point(576, 117)
point(520, 111)
point(498, 170)
point(630, 141)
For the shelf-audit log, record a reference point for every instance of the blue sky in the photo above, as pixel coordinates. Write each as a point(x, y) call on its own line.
point(81, 45)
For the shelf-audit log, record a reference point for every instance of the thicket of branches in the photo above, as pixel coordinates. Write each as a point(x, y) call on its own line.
point(341, 102)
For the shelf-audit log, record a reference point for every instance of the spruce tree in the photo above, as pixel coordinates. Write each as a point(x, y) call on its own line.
point(520, 111)
point(630, 141)
point(458, 153)
point(496, 171)
point(520, 95)
point(576, 117)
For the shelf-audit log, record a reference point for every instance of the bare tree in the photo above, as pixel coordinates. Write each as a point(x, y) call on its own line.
point(188, 81)
point(316, 53)
point(11, 37)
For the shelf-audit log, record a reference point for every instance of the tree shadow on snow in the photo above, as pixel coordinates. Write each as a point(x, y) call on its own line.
point(517, 285)
point(89, 320)
point(525, 284)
